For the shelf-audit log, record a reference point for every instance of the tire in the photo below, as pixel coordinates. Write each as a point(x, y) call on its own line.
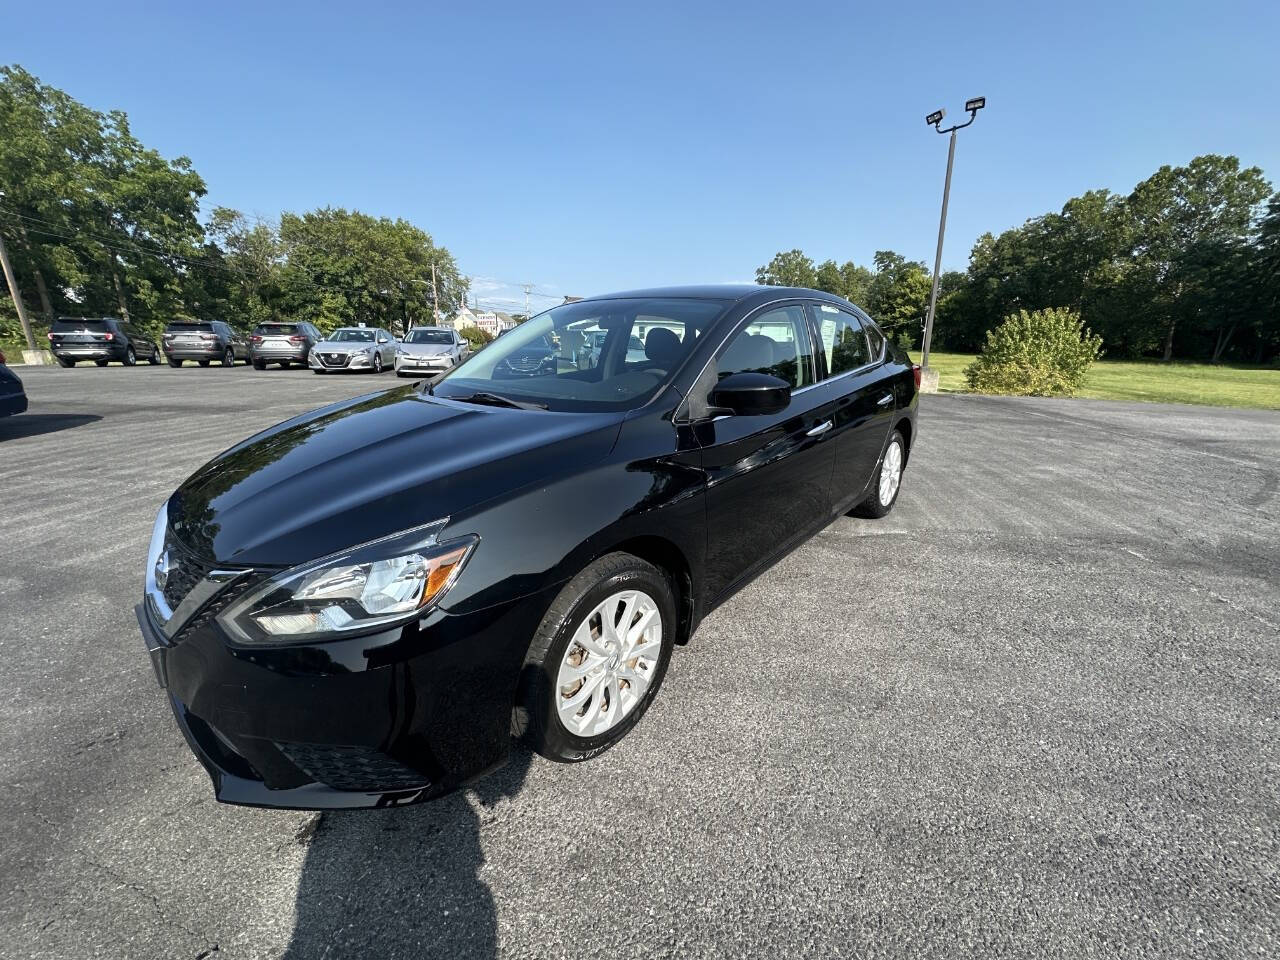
point(130, 358)
point(101, 363)
point(229, 358)
point(876, 506)
point(259, 365)
point(203, 363)
point(536, 718)
point(64, 362)
point(154, 359)
point(377, 362)
point(174, 363)
point(316, 371)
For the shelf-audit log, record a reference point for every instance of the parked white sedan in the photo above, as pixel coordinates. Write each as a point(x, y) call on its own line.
point(430, 350)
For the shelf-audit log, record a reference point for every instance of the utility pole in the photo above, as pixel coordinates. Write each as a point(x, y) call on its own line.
point(435, 293)
point(17, 295)
point(929, 379)
point(527, 288)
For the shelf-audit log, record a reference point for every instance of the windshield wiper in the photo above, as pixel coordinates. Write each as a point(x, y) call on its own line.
point(497, 400)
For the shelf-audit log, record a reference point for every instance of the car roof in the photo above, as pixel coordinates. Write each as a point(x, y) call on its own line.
point(727, 292)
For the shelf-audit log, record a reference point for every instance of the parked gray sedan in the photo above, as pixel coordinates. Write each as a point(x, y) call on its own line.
point(354, 348)
point(430, 350)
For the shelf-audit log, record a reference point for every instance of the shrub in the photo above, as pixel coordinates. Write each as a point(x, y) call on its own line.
point(475, 336)
point(1044, 353)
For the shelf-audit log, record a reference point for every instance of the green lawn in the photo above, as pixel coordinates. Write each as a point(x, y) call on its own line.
point(1218, 386)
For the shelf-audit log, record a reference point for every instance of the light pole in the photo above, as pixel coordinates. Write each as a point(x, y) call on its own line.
point(934, 120)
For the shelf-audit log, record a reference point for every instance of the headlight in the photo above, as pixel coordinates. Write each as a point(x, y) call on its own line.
point(381, 583)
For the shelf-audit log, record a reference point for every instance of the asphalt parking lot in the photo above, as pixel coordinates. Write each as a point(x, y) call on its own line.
point(1033, 712)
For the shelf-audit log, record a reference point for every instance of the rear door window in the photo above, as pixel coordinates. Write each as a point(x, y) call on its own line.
point(843, 342)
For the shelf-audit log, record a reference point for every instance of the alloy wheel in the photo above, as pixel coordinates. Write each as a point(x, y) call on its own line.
point(130, 358)
point(890, 473)
point(609, 663)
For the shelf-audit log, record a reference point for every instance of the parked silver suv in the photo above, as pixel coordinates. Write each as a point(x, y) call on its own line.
point(354, 348)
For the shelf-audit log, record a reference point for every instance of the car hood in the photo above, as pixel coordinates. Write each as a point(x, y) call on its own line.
point(425, 349)
point(370, 467)
point(349, 346)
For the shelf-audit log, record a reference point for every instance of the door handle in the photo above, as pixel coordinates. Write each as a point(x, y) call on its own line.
point(886, 399)
point(820, 429)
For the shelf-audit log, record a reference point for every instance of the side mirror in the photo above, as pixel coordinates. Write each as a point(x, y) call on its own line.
point(383, 340)
point(751, 394)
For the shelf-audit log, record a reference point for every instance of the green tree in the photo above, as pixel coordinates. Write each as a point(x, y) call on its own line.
point(344, 267)
point(898, 295)
point(789, 269)
point(1184, 221)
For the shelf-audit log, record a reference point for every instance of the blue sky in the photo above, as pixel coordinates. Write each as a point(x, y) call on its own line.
point(594, 147)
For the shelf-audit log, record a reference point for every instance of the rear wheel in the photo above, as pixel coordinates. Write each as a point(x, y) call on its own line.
point(229, 358)
point(174, 363)
point(887, 481)
point(101, 363)
point(130, 358)
point(597, 660)
point(259, 365)
point(65, 362)
point(203, 363)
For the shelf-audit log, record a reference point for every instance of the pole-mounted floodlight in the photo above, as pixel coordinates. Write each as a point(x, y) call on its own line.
point(972, 106)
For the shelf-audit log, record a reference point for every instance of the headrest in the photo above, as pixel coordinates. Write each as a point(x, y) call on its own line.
point(663, 347)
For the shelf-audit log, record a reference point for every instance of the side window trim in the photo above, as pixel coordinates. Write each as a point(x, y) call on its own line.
point(867, 325)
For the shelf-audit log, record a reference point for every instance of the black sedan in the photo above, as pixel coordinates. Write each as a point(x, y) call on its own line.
point(358, 606)
point(13, 399)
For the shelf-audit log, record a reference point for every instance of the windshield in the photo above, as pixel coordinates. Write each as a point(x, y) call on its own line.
point(429, 336)
point(351, 336)
point(584, 356)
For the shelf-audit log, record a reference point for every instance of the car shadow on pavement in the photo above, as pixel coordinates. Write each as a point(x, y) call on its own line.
point(402, 882)
point(35, 424)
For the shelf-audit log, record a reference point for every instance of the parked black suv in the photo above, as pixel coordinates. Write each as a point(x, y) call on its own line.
point(282, 343)
point(100, 339)
point(204, 341)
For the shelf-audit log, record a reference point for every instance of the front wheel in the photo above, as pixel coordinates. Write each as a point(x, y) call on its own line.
point(100, 363)
point(229, 358)
point(377, 363)
point(597, 660)
point(203, 363)
point(130, 358)
point(154, 359)
point(887, 481)
point(64, 362)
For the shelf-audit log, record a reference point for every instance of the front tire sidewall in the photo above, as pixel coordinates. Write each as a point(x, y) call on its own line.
point(543, 729)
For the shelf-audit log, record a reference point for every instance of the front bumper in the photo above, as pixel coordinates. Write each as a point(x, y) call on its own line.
point(13, 403)
point(379, 720)
point(344, 361)
point(425, 365)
